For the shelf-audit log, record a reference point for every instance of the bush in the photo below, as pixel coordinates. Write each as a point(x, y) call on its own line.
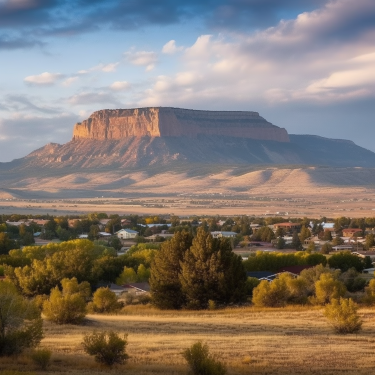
point(20, 321)
point(41, 358)
point(201, 362)
point(328, 288)
point(105, 301)
point(68, 306)
point(107, 347)
point(272, 294)
point(342, 315)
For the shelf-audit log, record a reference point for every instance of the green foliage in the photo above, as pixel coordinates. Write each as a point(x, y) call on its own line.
point(264, 234)
point(328, 288)
point(326, 248)
point(370, 241)
point(105, 301)
point(369, 297)
point(201, 362)
point(165, 284)
point(251, 283)
point(108, 348)
point(20, 321)
point(211, 271)
point(352, 280)
point(41, 357)
point(272, 294)
point(343, 316)
point(296, 242)
point(6, 243)
point(68, 306)
point(345, 260)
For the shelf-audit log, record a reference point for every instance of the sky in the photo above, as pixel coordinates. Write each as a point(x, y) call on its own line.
point(307, 66)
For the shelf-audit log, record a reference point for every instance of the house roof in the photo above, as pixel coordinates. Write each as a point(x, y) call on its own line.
point(294, 269)
point(259, 274)
point(127, 231)
point(144, 287)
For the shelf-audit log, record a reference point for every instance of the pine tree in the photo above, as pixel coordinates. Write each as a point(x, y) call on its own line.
point(164, 280)
point(211, 271)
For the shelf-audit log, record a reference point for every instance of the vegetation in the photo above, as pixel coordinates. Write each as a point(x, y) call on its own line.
point(69, 305)
point(41, 357)
point(105, 301)
point(201, 362)
point(343, 316)
point(108, 348)
point(20, 321)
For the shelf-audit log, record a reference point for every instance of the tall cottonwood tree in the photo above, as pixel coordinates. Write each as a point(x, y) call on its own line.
point(164, 280)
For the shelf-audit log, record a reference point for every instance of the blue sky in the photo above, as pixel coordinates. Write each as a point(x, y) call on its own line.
point(307, 66)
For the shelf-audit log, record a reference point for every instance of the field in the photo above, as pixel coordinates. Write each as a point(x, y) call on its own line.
point(292, 340)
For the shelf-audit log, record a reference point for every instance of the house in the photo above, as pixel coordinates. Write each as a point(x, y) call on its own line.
point(288, 227)
point(137, 288)
point(154, 237)
point(218, 234)
point(342, 247)
point(125, 234)
point(260, 275)
point(350, 232)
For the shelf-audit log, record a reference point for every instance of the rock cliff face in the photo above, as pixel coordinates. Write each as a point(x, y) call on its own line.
point(175, 122)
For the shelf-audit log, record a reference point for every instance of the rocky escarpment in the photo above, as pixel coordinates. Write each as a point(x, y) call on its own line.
point(175, 122)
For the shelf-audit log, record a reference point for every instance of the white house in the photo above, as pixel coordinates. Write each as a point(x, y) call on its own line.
point(218, 234)
point(126, 234)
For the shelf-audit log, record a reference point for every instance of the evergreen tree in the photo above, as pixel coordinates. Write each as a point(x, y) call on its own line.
point(164, 280)
point(296, 242)
point(211, 271)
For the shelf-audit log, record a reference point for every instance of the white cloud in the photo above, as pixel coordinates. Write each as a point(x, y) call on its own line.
point(88, 98)
point(43, 79)
point(170, 48)
point(70, 81)
point(106, 68)
point(120, 86)
point(142, 58)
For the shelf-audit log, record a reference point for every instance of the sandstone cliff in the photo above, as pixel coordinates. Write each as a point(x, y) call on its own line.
point(175, 122)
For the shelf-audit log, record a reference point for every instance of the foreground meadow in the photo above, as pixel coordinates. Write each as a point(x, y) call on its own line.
point(291, 340)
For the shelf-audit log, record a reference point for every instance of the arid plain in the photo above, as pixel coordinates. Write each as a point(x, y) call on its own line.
point(293, 340)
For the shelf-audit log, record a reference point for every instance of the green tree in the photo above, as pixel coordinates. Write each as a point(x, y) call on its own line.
point(165, 284)
point(280, 243)
point(343, 316)
point(304, 234)
point(326, 248)
point(211, 271)
point(108, 347)
point(327, 235)
point(345, 260)
point(337, 241)
point(296, 242)
point(370, 241)
point(6, 243)
point(20, 321)
point(201, 362)
point(128, 275)
point(264, 234)
point(68, 306)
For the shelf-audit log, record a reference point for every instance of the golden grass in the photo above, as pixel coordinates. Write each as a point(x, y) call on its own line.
point(292, 340)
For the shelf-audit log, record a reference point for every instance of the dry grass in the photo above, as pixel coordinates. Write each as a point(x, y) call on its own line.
point(293, 340)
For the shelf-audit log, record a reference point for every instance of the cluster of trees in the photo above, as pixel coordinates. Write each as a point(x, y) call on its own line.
point(189, 272)
point(317, 285)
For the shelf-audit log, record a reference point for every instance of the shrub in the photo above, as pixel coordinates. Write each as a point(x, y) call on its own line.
point(68, 306)
point(105, 301)
point(41, 358)
point(272, 294)
point(327, 288)
point(369, 297)
point(342, 315)
point(201, 362)
point(20, 321)
point(107, 347)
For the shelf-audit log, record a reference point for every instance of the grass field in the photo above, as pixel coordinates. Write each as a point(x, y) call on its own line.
point(293, 340)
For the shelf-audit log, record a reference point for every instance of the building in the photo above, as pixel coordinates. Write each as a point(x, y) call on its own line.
point(125, 234)
point(288, 227)
point(218, 234)
point(350, 232)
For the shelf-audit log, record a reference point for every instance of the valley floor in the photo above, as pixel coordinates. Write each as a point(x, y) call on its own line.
point(292, 340)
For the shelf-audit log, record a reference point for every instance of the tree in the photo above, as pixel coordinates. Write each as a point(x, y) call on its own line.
point(280, 243)
point(296, 242)
point(6, 243)
point(370, 241)
point(327, 235)
point(328, 288)
point(128, 275)
point(272, 294)
point(108, 347)
point(326, 248)
point(337, 241)
point(305, 234)
point(20, 321)
point(342, 315)
point(165, 284)
point(264, 234)
point(345, 260)
point(105, 301)
point(201, 362)
point(311, 248)
point(68, 306)
point(211, 271)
